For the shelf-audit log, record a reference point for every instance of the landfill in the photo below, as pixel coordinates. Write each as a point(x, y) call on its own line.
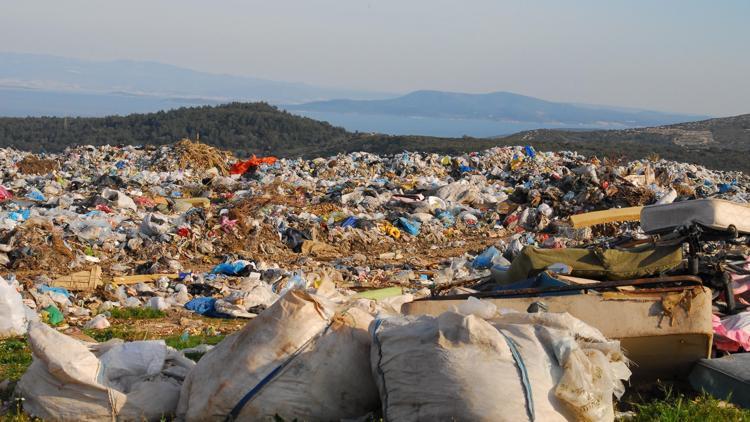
point(340, 244)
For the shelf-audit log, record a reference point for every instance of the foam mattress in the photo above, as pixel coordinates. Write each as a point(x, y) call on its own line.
point(716, 214)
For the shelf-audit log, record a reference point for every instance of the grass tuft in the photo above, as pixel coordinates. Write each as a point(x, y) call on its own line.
point(136, 313)
point(113, 332)
point(679, 408)
point(15, 357)
point(192, 341)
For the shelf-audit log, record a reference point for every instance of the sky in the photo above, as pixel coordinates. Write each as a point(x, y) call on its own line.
point(672, 55)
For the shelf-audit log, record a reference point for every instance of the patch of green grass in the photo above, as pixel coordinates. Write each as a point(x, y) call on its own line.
point(680, 408)
point(15, 357)
point(136, 313)
point(113, 332)
point(192, 341)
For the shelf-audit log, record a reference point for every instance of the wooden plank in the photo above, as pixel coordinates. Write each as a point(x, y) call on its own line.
point(607, 216)
point(141, 278)
point(81, 280)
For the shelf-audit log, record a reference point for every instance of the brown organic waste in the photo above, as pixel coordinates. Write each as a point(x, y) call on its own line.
point(193, 154)
point(34, 165)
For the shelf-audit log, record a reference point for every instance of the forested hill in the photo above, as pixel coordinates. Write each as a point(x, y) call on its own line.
point(245, 128)
point(258, 128)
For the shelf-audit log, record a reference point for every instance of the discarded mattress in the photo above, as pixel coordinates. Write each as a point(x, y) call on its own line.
point(663, 333)
point(299, 359)
point(715, 214)
point(72, 381)
point(513, 367)
point(727, 378)
point(610, 264)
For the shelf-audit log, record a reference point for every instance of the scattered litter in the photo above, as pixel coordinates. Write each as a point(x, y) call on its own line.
point(186, 230)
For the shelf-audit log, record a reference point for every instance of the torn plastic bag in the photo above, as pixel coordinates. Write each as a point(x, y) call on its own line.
point(71, 381)
point(92, 230)
point(154, 224)
point(732, 332)
point(5, 194)
point(484, 260)
point(299, 359)
point(242, 167)
point(119, 199)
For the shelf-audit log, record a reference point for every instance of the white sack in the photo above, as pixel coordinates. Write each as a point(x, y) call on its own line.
point(72, 381)
point(303, 360)
point(458, 367)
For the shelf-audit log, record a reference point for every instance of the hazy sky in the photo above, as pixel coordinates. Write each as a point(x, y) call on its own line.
point(675, 55)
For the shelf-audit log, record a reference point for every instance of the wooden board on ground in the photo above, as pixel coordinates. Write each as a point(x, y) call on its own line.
point(81, 280)
point(607, 216)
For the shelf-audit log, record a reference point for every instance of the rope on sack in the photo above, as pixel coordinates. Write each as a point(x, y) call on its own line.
point(523, 374)
point(112, 404)
point(235, 413)
point(376, 341)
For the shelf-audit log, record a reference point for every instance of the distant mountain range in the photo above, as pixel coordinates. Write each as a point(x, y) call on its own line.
point(499, 107)
point(43, 85)
point(37, 74)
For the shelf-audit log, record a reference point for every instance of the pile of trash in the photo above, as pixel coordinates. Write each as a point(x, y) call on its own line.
point(339, 243)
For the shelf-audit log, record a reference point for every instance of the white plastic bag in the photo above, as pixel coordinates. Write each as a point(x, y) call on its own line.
point(12, 311)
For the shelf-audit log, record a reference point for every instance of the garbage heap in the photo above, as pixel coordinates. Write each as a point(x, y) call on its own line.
point(189, 228)
point(194, 222)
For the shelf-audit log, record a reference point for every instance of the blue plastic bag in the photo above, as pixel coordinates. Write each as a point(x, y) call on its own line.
point(44, 289)
point(349, 222)
point(484, 259)
point(230, 268)
point(19, 216)
point(36, 195)
point(202, 305)
point(411, 227)
point(446, 218)
point(726, 187)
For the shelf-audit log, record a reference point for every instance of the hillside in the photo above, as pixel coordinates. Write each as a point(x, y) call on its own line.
point(258, 128)
point(245, 128)
point(730, 133)
point(498, 106)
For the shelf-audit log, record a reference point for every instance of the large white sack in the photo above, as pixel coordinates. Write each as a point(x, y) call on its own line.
point(12, 311)
point(458, 367)
point(460, 192)
point(298, 359)
point(72, 381)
